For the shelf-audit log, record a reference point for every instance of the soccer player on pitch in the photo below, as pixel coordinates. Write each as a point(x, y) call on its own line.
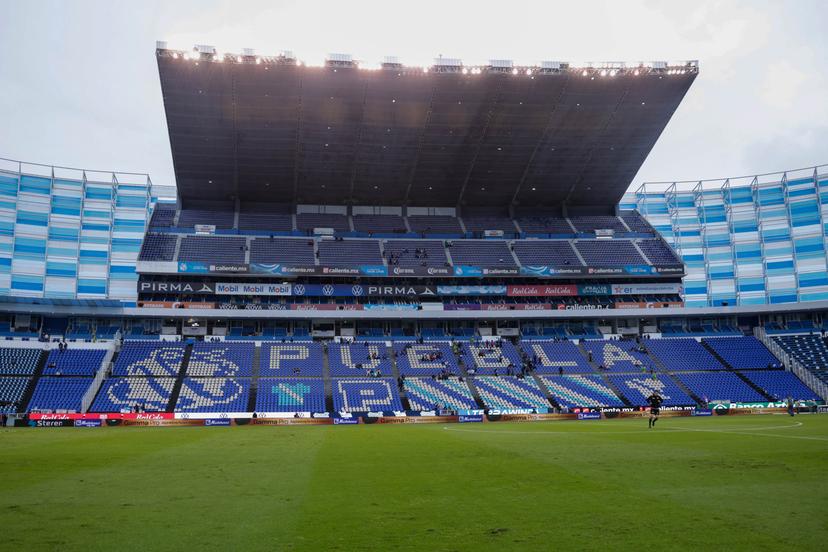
point(654, 401)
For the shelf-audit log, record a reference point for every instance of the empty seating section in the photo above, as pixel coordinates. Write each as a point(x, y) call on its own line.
point(490, 358)
point(265, 222)
point(14, 361)
point(213, 395)
point(221, 359)
point(544, 225)
point(598, 222)
point(481, 253)
point(359, 359)
point(682, 354)
point(425, 359)
point(59, 394)
point(743, 353)
point(609, 252)
point(11, 393)
point(379, 224)
point(152, 394)
point(581, 391)
point(415, 253)
point(212, 249)
point(809, 350)
point(158, 247)
point(365, 395)
point(309, 221)
point(290, 395)
point(74, 362)
point(510, 392)
point(434, 224)
point(546, 253)
point(163, 216)
point(618, 356)
point(483, 223)
point(350, 252)
point(549, 357)
point(636, 222)
point(637, 388)
point(149, 358)
point(720, 386)
point(780, 385)
point(222, 219)
point(291, 359)
point(433, 394)
point(658, 252)
point(282, 250)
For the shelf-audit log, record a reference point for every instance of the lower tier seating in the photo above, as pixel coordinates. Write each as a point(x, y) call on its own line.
point(743, 352)
point(365, 394)
point(810, 350)
point(74, 362)
point(59, 393)
point(290, 395)
point(291, 359)
point(152, 394)
point(491, 358)
point(221, 359)
point(425, 359)
point(11, 393)
point(510, 392)
point(434, 394)
point(213, 395)
point(550, 357)
point(14, 361)
point(637, 388)
point(149, 358)
point(359, 359)
point(716, 386)
point(780, 385)
point(581, 391)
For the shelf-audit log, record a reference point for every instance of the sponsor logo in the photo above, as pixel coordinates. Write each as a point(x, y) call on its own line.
point(589, 415)
point(345, 421)
point(217, 422)
point(175, 287)
point(88, 423)
point(298, 289)
point(463, 419)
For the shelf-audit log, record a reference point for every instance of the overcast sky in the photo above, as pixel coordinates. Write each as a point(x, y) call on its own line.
point(79, 83)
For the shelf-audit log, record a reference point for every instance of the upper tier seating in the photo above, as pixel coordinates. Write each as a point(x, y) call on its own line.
point(59, 394)
point(349, 252)
point(265, 222)
point(598, 222)
point(743, 353)
point(282, 250)
point(74, 362)
point(163, 216)
point(546, 253)
point(488, 358)
point(717, 386)
point(636, 222)
point(550, 356)
point(415, 253)
point(494, 253)
point(158, 247)
point(11, 393)
point(481, 223)
point(679, 354)
point(510, 392)
point(379, 224)
point(365, 395)
point(213, 395)
point(434, 224)
point(809, 350)
point(618, 356)
point(781, 385)
point(308, 221)
point(152, 394)
point(221, 219)
point(290, 395)
point(291, 359)
point(358, 359)
point(212, 249)
point(15, 361)
point(426, 359)
point(434, 394)
point(149, 358)
point(581, 391)
point(544, 225)
point(221, 359)
point(609, 252)
point(658, 252)
point(637, 388)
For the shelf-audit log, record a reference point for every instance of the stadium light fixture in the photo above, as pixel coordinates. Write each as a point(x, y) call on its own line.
point(515, 71)
point(584, 73)
point(603, 72)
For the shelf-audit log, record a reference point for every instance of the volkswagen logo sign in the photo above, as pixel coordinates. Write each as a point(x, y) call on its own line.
point(298, 289)
point(356, 290)
point(327, 290)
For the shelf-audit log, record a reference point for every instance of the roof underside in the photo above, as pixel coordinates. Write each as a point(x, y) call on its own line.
point(296, 134)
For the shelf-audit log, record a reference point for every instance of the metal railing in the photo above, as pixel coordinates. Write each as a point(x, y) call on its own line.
point(792, 364)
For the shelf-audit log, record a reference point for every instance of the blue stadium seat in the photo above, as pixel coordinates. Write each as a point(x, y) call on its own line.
point(365, 395)
point(74, 362)
point(720, 386)
point(503, 392)
point(64, 393)
point(781, 384)
point(637, 388)
point(356, 360)
point(581, 391)
point(743, 353)
point(486, 358)
point(434, 394)
point(291, 359)
point(11, 393)
point(153, 358)
point(425, 359)
point(213, 395)
point(18, 361)
point(151, 393)
point(290, 395)
point(550, 356)
point(221, 359)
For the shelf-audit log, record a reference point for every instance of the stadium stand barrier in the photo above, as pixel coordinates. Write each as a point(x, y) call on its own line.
point(792, 364)
point(101, 374)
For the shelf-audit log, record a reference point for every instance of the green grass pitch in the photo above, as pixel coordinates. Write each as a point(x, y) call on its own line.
point(749, 482)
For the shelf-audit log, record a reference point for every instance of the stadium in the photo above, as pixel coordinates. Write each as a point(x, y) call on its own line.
point(457, 249)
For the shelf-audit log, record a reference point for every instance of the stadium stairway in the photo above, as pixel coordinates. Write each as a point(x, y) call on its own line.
point(730, 368)
point(326, 378)
point(254, 380)
point(663, 369)
point(475, 392)
point(176, 390)
point(109, 374)
point(27, 394)
point(396, 372)
point(607, 381)
point(545, 389)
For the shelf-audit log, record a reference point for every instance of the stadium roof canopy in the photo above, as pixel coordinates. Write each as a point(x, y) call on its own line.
point(273, 129)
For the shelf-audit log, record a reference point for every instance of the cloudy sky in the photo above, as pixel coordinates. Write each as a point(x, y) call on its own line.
point(79, 84)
